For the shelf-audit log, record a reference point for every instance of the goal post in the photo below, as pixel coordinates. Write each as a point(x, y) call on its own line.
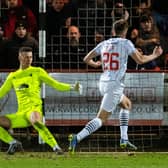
point(42, 50)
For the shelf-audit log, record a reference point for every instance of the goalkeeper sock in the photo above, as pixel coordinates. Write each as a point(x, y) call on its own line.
point(56, 147)
point(90, 127)
point(45, 134)
point(13, 141)
point(5, 136)
point(124, 117)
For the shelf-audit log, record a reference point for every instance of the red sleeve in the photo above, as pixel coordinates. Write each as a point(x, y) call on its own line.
point(32, 23)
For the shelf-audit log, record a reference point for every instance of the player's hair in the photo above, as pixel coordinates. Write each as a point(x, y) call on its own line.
point(25, 49)
point(119, 26)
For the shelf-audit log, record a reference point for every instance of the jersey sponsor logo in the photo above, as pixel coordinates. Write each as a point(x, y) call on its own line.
point(23, 86)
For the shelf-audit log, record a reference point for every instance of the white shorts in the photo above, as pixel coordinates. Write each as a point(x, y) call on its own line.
point(112, 93)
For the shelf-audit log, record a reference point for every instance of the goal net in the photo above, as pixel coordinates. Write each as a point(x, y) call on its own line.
point(68, 112)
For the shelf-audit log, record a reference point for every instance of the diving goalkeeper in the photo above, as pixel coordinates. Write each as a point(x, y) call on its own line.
point(27, 82)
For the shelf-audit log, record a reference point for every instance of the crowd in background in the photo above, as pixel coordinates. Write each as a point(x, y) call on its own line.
point(74, 27)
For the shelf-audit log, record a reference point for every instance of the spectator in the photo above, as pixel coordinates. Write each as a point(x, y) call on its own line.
point(70, 54)
point(74, 48)
point(143, 7)
point(91, 15)
point(132, 35)
point(58, 15)
point(48, 3)
point(11, 46)
point(160, 14)
point(119, 12)
point(147, 39)
point(2, 58)
point(16, 12)
point(99, 36)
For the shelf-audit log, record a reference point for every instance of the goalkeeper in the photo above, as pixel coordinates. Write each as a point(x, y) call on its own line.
point(27, 82)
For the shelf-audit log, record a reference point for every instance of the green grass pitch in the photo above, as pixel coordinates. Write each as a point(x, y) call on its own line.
point(84, 160)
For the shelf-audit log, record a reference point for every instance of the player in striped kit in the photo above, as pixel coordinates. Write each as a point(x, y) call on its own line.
point(27, 82)
point(114, 54)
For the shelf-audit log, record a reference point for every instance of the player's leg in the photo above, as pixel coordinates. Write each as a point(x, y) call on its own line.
point(94, 124)
point(7, 122)
point(36, 120)
point(11, 121)
point(107, 106)
point(124, 116)
point(89, 128)
point(126, 106)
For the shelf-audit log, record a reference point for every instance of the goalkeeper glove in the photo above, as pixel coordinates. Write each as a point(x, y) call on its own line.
point(77, 87)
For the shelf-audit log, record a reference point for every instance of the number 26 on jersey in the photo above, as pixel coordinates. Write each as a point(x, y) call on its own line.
point(111, 61)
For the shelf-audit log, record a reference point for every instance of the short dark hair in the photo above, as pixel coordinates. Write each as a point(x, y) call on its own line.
point(99, 31)
point(145, 18)
point(119, 26)
point(21, 23)
point(25, 49)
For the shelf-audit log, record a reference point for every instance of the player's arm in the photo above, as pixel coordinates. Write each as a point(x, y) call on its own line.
point(60, 86)
point(141, 42)
point(88, 59)
point(6, 87)
point(141, 59)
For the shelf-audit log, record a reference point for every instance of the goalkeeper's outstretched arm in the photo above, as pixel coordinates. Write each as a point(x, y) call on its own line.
point(77, 87)
point(46, 78)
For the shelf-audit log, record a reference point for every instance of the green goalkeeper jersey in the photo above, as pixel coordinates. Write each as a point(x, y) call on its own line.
point(27, 85)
